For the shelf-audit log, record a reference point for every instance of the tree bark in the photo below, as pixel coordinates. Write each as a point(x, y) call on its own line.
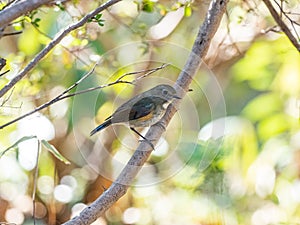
point(21, 8)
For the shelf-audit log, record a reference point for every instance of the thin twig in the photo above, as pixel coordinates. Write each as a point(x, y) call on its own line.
point(282, 25)
point(93, 89)
point(120, 21)
point(12, 33)
point(64, 94)
point(213, 59)
point(274, 29)
point(292, 13)
point(77, 82)
point(147, 71)
point(52, 101)
point(282, 12)
point(1, 74)
point(119, 81)
point(53, 43)
point(9, 3)
point(6, 99)
point(65, 48)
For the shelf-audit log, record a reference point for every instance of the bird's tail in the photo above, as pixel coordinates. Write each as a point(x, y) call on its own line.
point(100, 127)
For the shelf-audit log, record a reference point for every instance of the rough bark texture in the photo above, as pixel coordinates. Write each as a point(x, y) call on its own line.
point(21, 8)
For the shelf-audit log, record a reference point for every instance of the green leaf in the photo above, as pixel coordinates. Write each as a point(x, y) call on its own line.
point(55, 152)
point(27, 19)
point(61, 6)
point(148, 6)
point(18, 26)
point(187, 11)
point(98, 16)
point(101, 23)
point(25, 138)
point(33, 13)
point(97, 19)
point(36, 22)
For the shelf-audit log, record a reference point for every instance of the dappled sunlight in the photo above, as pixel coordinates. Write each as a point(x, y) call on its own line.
point(263, 176)
point(45, 185)
point(224, 127)
point(60, 109)
point(167, 24)
point(28, 153)
point(230, 155)
point(37, 125)
point(269, 214)
point(132, 215)
point(161, 148)
point(63, 193)
point(77, 208)
point(14, 216)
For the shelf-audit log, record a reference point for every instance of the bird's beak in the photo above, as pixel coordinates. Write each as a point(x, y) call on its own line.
point(175, 96)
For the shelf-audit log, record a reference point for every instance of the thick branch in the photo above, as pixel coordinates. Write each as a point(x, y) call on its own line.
point(53, 43)
point(16, 10)
point(126, 177)
point(281, 24)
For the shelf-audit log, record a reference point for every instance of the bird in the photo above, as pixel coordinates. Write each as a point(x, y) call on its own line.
point(142, 110)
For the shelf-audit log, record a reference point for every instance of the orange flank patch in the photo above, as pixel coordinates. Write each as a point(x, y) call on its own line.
point(147, 117)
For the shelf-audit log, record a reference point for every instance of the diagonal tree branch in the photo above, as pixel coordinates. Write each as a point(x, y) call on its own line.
point(18, 9)
point(282, 25)
point(126, 177)
point(53, 43)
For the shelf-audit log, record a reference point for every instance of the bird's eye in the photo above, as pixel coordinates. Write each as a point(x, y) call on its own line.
point(165, 91)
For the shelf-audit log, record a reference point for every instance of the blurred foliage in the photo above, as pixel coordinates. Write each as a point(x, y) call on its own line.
point(231, 155)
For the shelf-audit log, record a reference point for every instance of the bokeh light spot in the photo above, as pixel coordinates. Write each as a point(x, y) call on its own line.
point(63, 193)
point(14, 215)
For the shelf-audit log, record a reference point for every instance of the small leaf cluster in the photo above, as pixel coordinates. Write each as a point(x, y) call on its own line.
point(30, 18)
point(97, 19)
point(151, 6)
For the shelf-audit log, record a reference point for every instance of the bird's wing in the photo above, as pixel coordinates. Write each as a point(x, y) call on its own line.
point(129, 104)
point(123, 110)
point(142, 108)
point(133, 111)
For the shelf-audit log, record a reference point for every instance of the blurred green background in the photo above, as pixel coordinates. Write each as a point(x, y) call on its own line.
point(231, 154)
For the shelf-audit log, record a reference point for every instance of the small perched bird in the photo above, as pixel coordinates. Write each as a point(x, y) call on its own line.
point(142, 110)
